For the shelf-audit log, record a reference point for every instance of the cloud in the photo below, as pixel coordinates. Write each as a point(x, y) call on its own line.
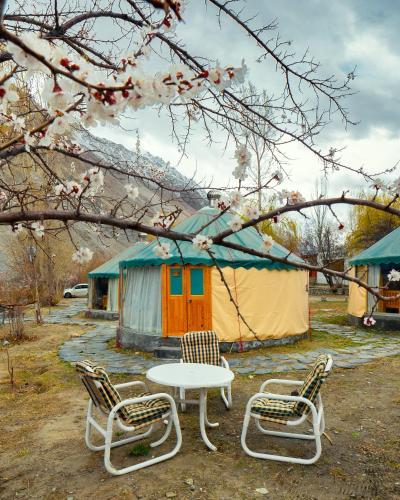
point(342, 35)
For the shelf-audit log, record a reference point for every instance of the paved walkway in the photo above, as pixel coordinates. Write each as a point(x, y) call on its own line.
point(369, 345)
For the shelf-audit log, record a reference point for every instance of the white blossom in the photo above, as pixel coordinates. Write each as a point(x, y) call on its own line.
point(278, 176)
point(243, 158)
point(17, 228)
point(202, 242)
point(295, 197)
point(250, 211)
point(283, 196)
point(369, 321)
point(378, 184)
point(29, 141)
point(235, 223)
point(71, 188)
point(240, 172)
point(95, 179)
point(394, 275)
point(38, 228)
point(132, 191)
point(158, 220)
point(162, 250)
point(395, 187)
point(83, 255)
point(235, 199)
point(3, 197)
point(268, 242)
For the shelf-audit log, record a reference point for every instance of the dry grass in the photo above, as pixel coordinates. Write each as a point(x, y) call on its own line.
point(44, 456)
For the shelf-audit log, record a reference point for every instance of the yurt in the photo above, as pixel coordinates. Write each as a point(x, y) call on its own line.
point(103, 296)
point(373, 266)
point(164, 298)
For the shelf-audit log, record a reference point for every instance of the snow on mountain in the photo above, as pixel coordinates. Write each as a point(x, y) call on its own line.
point(145, 164)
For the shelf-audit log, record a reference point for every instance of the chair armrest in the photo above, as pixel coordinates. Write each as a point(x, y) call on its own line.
point(131, 384)
point(280, 381)
point(224, 363)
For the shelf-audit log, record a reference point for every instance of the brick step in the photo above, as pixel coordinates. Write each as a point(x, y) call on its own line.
point(167, 352)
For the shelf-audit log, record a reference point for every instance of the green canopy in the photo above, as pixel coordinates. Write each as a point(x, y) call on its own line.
point(110, 269)
point(384, 251)
point(225, 257)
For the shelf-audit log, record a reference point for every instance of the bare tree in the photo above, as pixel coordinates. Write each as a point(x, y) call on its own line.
point(60, 72)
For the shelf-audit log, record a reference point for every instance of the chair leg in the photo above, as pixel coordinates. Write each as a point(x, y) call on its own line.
point(108, 445)
point(182, 396)
point(227, 399)
point(165, 435)
point(281, 458)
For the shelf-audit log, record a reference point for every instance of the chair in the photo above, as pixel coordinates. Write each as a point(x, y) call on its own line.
point(290, 410)
point(130, 414)
point(203, 347)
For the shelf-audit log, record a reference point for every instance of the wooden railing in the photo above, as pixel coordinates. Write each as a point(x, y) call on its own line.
point(391, 304)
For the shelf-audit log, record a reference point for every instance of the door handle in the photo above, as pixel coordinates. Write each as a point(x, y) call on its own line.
point(189, 300)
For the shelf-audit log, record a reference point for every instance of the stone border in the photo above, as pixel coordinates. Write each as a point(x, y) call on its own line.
point(128, 338)
point(384, 321)
point(369, 345)
point(100, 314)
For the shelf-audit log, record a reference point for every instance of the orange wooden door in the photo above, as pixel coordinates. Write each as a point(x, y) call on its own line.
point(186, 299)
point(174, 301)
point(198, 280)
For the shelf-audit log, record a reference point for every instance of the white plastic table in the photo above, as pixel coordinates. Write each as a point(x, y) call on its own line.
point(193, 376)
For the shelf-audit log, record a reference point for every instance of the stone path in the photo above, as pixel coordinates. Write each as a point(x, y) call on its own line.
point(370, 345)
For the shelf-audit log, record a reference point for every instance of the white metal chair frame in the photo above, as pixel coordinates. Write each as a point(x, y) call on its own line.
point(107, 433)
point(317, 414)
point(226, 398)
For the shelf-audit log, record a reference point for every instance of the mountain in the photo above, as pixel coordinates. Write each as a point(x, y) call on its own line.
point(111, 242)
point(145, 164)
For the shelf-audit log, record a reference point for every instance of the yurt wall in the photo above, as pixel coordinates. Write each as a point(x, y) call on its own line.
point(112, 294)
point(357, 304)
point(142, 299)
point(274, 303)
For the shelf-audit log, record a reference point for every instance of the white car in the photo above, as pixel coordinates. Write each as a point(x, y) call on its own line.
point(79, 290)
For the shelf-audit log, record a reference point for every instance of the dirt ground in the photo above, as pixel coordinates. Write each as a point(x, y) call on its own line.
point(43, 454)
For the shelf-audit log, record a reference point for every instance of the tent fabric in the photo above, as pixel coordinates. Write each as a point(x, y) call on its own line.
point(384, 251)
point(110, 269)
point(374, 277)
point(142, 300)
point(112, 295)
point(225, 257)
point(357, 303)
point(90, 292)
point(273, 302)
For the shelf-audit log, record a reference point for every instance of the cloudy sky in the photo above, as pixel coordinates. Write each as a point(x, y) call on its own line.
point(342, 35)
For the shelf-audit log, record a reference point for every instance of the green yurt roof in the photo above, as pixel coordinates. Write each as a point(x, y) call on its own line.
point(110, 269)
point(225, 257)
point(384, 251)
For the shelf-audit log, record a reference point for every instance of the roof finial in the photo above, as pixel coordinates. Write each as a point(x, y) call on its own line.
point(213, 197)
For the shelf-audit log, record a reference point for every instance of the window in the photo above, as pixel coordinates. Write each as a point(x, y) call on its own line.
point(196, 282)
point(176, 281)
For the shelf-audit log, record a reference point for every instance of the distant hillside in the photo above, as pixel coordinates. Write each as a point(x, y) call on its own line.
point(147, 165)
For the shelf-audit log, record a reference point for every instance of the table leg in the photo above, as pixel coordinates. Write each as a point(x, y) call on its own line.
point(204, 420)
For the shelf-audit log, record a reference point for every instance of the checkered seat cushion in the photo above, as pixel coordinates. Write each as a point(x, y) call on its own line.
point(273, 410)
point(105, 396)
point(280, 411)
point(201, 347)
